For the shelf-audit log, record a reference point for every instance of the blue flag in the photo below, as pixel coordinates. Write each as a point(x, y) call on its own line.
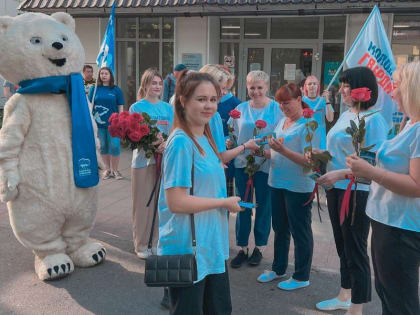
point(371, 49)
point(106, 52)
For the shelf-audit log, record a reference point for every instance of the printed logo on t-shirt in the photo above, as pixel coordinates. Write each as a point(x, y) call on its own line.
point(162, 122)
point(100, 111)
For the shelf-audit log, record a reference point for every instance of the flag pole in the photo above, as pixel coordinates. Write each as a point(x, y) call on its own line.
point(97, 78)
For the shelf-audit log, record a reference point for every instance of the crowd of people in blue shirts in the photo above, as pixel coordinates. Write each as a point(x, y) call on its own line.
point(199, 125)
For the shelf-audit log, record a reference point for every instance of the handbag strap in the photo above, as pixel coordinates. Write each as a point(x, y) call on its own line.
point(194, 242)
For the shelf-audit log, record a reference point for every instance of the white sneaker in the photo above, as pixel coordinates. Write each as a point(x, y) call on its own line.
point(268, 276)
point(117, 175)
point(143, 254)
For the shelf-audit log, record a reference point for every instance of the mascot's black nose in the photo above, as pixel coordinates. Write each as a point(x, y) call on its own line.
point(57, 45)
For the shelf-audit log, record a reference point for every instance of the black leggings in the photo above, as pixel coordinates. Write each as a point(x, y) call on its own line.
point(396, 262)
point(351, 244)
point(210, 296)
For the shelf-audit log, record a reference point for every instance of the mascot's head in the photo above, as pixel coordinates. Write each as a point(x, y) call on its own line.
point(35, 45)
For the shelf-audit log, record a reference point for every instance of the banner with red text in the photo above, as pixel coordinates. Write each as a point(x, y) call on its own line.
point(372, 49)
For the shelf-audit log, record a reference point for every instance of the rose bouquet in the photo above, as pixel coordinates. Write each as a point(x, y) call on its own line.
point(234, 114)
point(138, 131)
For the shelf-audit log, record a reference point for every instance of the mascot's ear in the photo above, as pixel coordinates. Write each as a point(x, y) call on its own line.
point(65, 18)
point(5, 22)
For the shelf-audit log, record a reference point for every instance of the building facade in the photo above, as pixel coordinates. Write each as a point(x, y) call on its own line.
point(288, 39)
point(7, 7)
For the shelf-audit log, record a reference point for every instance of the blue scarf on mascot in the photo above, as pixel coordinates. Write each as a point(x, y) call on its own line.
point(85, 164)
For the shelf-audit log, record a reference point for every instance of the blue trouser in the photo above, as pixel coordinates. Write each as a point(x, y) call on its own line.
point(109, 145)
point(262, 213)
point(290, 216)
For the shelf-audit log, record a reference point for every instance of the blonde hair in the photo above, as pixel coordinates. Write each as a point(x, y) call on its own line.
point(257, 75)
point(218, 73)
point(409, 77)
point(145, 81)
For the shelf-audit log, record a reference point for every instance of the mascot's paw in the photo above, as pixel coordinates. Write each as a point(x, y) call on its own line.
point(9, 190)
point(54, 266)
point(8, 194)
point(89, 255)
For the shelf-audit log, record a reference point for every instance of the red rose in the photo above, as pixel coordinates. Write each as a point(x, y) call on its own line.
point(136, 117)
point(133, 126)
point(135, 136)
point(360, 95)
point(124, 114)
point(308, 113)
point(235, 114)
point(115, 121)
point(124, 126)
point(144, 130)
point(113, 117)
point(261, 124)
point(113, 131)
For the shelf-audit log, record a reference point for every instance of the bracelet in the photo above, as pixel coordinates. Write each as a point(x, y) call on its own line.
point(244, 147)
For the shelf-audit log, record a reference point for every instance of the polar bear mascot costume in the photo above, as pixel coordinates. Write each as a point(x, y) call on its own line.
point(48, 165)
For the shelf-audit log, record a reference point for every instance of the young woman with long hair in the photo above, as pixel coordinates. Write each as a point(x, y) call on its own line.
point(109, 99)
point(143, 170)
point(191, 145)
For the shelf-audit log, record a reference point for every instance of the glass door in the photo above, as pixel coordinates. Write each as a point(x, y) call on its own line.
point(284, 63)
point(289, 65)
point(256, 57)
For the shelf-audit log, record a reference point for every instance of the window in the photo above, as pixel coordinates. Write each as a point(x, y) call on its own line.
point(406, 38)
point(255, 28)
point(126, 28)
point(334, 27)
point(142, 43)
point(295, 27)
point(126, 56)
point(149, 27)
point(230, 29)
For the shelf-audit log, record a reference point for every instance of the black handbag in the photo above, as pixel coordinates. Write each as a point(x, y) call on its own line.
point(171, 270)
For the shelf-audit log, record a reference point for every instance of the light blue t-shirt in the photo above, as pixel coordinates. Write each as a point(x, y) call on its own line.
point(339, 142)
point(285, 173)
point(319, 117)
point(216, 128)
point(211, 226)
point(163, 113)
point(244, 128)
point(384, 205)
